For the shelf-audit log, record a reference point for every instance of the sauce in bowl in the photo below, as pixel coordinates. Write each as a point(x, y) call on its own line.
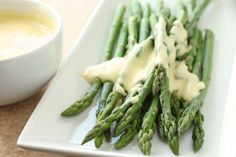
point(21, 32)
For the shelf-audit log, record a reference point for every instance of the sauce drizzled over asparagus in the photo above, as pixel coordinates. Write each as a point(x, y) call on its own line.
point(128, 71)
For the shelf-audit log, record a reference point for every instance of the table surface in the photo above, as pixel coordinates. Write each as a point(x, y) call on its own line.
point(75, 14)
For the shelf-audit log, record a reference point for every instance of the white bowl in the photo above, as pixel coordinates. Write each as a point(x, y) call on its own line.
point(23, 75)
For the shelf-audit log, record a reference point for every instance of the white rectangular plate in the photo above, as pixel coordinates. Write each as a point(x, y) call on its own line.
point(46, 130)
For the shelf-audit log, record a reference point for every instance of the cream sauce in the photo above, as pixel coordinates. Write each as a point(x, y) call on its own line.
point(22, 32)
point(106, 71)
point(186, 83)
point(138, 64)
point(127, 72)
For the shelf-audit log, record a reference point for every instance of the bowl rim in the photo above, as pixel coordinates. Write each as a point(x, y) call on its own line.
point(54, 14)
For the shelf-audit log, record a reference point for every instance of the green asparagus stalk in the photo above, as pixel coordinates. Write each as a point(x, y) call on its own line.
point(119, 112)
point(114, 32)
point(182, 16)
point(115, 97)
point(192, 53)
point(129, 133)
point(159, 129)
point(197, 12)
point(157, 83)
point(106, 89)
point(121, 46)
point(198, 131)
point(112, 101)
point(160, 6)
point(191, 6)
point(129, 115)
point(146, 10)
point(144, 32)
point(135, 19)
point(175, 102)
point(159, 77)
point(122, 41)
point(87, 99)
point(144, 28)
point(165, 13)
point(182, 13)
point(153, 22)
point(167, 121)
point(148, 128)
point(189, 113)
point(197, 63)
point(107, 86)
point(133, 32)
point(162, 10)
point(144, 24)
point(176, 107)
point(136, 10)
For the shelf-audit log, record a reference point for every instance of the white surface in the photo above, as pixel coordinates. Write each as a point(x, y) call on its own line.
point(47, 131)
point(23, 75)
point(228, 138)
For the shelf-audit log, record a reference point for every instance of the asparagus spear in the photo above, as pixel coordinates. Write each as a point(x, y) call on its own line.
point(122, 41)
point(134, 23)
point(106, 89)
point(132, 39)
point(176, 102)
point(197, 63)
point(159, 77)
point(129, 134)
point(198, 131)
point(197, 12)
point(146, 10)
point(192, 53)
point(107, 86)
point(112, 100)
point(87, 99)
point(114, 31)
point(176, 107)
point(114, 97)
point(153, 21)
point(191, 6)
point(119, 112)
point(133, 32)
point(167, 121)
point(189, 113)
point(144, 33)
point(144, 24)
point(129, 115)
point(160, 6)
point(157, 83)
point(182, 13)
point(136, 10)
point(162, 10)
point(146, 133)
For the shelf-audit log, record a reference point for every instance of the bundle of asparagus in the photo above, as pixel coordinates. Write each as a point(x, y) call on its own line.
point(172, 45)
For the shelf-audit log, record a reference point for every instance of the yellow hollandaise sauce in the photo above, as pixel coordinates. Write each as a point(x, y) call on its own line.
point(21, 32)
